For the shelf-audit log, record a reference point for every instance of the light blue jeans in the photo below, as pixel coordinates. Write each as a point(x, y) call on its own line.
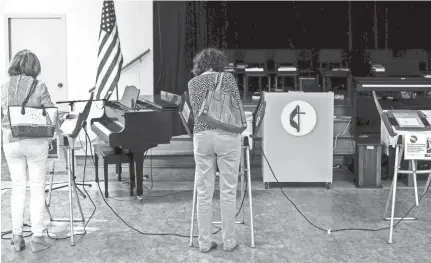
point(214, 148)
point(20, 155)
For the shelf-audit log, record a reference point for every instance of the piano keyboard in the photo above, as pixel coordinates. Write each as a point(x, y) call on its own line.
point(109, 127)
point(102, 128)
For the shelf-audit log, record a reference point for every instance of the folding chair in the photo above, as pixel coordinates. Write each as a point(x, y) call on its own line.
point(68, 139)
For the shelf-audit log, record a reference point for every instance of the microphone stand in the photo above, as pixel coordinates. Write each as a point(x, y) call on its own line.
point(72, 102)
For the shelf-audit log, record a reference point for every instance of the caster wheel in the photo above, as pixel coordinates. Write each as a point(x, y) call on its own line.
point(328, 185)
point(266, 185)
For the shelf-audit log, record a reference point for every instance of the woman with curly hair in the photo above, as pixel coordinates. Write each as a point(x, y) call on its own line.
point(214, 148)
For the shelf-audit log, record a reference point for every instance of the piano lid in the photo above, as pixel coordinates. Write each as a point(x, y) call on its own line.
point(393, 84)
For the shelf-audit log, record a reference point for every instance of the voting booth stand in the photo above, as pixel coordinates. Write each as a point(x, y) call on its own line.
point(409, 132)
point(297, 135)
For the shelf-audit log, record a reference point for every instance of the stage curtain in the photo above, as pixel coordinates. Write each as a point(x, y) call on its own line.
point(180, 31)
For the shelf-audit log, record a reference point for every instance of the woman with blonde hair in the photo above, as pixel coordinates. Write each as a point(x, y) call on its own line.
point(214, 148)
point(25, 155)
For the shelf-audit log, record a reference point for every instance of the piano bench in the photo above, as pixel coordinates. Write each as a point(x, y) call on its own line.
point(110, 156)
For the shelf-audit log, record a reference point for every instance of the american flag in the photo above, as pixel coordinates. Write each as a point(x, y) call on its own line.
point(109, 57)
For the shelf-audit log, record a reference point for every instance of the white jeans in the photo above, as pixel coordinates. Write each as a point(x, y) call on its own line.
point(214, 148)
point(31, 153)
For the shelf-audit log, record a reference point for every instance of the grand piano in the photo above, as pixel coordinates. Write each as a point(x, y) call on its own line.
point(137, 127)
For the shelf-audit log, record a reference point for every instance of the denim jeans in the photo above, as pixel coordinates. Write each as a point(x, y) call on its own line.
point(214, 148)
point(20, 155)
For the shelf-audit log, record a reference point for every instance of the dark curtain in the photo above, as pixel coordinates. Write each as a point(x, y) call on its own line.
point(179, 30)
point(197, 31)
point(296, 24)
point(408, 24)
point(278, 25)
point(219, 24)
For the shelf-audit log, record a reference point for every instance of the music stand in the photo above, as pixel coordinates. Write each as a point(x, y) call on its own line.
point(69, 145)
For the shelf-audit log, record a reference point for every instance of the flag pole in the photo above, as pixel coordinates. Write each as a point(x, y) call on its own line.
point(116, 91)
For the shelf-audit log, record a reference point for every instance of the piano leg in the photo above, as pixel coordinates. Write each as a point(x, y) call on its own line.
point(96, 166)
point(132, 174)
point(139, 164)
point(105, 174)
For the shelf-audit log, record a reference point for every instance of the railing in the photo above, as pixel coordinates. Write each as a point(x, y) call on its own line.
point(135, 59)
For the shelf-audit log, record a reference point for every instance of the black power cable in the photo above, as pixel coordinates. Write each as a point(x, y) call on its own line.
point(56, 183)
point(148, 233)
point(328, 231)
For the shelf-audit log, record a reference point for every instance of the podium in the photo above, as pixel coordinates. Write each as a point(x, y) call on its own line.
point(297, 134)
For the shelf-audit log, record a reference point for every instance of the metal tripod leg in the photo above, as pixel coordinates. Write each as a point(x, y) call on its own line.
point(427, 184)
point(397, 163)
point(70, 206)
point(77, 200)
point(250, 200)
point(51, 180)
point(242, 170)
point(415, 185)
point(400, 155)
point(394, 192)
point(193, 214)
point(47, 210)
point(71, 188)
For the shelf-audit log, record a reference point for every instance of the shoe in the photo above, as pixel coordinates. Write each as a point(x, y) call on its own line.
point(38, 244)
point(18, 242)
point(230, 248)
point(206, 250)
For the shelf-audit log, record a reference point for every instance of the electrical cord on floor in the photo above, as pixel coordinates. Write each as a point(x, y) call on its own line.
point(140, 232)
point(28, 187)
point(328, 231)
point(3, 234)
point(130, 199)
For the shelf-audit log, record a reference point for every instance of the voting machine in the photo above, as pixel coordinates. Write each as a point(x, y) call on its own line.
point(407, 129)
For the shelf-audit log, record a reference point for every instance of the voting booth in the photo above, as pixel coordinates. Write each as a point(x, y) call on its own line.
point(297, 135)
point(409, 132)
point(403, 106)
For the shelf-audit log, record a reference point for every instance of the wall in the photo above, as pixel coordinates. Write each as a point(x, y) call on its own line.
point(135, 26)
